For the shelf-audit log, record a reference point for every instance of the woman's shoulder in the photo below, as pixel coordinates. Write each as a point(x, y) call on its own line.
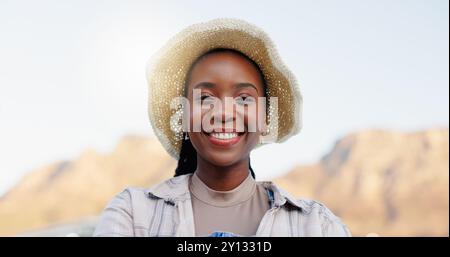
point(131, 211)
point(167, 189)
point(133, 197)
point(315, 214)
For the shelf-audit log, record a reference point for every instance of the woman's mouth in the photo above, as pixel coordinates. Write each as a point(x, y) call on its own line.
point(224, 138)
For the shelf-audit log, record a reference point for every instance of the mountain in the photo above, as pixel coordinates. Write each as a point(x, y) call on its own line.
point(67, 191)
point(378, 182)
point(382, 183)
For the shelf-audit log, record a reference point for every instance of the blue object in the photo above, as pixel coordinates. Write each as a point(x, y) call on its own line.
point(223, 234)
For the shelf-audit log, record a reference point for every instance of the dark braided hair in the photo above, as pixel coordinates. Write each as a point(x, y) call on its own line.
point(187, 162)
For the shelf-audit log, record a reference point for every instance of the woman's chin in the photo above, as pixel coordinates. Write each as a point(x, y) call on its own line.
point(223, 159)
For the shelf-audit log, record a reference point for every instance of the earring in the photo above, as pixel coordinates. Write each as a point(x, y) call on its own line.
point(268, 122)
point(176, 124)
point(270, 133)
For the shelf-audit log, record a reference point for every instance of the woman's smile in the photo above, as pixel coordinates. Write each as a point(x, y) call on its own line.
point(224, 139)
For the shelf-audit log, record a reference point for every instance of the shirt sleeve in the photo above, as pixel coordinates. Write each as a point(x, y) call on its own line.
point(116, 219)
point(332, 226)
point(337, 229)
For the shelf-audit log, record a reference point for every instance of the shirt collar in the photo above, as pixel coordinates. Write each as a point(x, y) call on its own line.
point(177, 189)
point(171, 190)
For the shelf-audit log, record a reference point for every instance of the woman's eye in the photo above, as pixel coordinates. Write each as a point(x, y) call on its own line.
point(207, 99)
point(245, 99)
point(203, 97)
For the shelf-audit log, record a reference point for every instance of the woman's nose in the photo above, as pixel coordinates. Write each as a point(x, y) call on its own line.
point(225, 110)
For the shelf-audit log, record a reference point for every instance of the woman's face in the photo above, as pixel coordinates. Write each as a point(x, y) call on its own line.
point(216, 76)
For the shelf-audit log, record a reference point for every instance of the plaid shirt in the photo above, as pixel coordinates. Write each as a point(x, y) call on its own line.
point(166, 210)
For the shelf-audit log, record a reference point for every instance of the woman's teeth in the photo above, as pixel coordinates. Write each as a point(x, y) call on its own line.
point(224, 136)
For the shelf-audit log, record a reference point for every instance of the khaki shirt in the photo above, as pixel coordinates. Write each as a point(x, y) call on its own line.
point(166, 210)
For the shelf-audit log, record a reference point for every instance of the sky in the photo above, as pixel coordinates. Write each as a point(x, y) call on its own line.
point(72, 73)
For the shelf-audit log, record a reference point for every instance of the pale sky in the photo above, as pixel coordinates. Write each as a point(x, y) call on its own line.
point(72, 73)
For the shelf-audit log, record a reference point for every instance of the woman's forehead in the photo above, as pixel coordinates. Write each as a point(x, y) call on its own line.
point(225, 67)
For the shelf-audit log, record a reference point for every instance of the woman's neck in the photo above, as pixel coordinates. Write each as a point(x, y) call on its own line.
point(222, 178)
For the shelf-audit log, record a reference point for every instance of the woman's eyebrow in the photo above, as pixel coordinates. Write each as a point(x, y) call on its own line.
point(205, 85)
point(212, 85)
point(243, 85)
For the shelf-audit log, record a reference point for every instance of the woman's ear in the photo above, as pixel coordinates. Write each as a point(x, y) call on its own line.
point(264, 128)
point(265, 132)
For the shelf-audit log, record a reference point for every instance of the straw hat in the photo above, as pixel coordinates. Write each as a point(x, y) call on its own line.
point(167, 70)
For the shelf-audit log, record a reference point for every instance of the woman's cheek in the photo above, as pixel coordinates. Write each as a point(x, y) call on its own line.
point(251, 118)
point(196, 119)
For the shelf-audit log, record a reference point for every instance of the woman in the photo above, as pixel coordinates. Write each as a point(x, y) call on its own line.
point(214, 192)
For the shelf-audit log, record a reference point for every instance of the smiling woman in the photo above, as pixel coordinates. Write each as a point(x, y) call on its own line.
point(214, 191)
